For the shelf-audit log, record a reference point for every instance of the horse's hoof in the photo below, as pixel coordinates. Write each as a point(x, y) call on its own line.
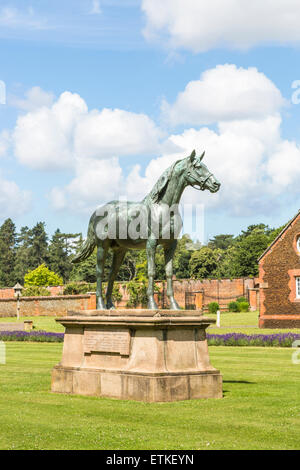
point(110, 306)
point(174, 306)
point(101, 305)
point(152, 305)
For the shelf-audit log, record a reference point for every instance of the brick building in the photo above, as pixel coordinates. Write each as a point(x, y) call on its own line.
point(279, 279)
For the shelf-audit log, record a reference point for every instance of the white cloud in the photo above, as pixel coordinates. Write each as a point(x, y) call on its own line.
point(95, 9)
point(11, 17)
point(245, 151)
point(284, 168)
point(43, 137)
point(224, 93)
point(115, 132)
point(35, 98)
point(203, 25)
point(96, 182)
point(54, 137)
point(266, 130)
point(13, 200)
point(250, 160)
point(5, 141)
point(253, 163)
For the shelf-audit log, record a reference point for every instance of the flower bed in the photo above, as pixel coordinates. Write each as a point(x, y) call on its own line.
point(33, 336)
point(282, 340)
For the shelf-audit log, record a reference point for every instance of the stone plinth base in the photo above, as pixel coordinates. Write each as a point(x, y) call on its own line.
point(137, 355)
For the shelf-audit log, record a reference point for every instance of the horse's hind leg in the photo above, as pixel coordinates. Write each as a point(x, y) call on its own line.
point(151, 248)
point(101, 257)
point(118, 258)
point(169, 253)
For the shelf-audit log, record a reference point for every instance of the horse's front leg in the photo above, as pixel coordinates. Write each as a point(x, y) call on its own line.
point(169, 253)
point(151, 249)
point(101, 256)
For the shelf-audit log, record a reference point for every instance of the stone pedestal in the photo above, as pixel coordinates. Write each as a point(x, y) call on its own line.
point(137, 355)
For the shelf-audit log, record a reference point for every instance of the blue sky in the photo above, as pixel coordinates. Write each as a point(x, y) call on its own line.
point(145, 83)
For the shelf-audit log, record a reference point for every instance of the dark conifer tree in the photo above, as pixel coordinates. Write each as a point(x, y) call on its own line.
point(7, 253)
point(59, 254)
point(22, 260)
point(38, 252)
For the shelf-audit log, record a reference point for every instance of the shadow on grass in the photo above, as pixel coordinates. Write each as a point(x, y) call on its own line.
point(228, 392)
point(239, 382)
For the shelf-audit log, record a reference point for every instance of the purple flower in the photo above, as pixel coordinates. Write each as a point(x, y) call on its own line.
point(240, 339)
point(36, 336)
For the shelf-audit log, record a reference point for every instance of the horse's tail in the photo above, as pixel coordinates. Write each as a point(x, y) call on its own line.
point(88, 246)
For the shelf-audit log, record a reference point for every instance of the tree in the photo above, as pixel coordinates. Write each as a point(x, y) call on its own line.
point(42, 276)
point(240, 259)
point(7, 253)
point(128, 268)
point(221, 242)
point(22, 260)
point(248, 249)
point(224, 256)
point(182, 257)
point(71, 241)
point(160, 272)
point(134, 261)
point(275, 232)
point(204, 262)
point(86, 270)
point(38, 252)
point(58, 257)
point(227, 263)
point(257, 228)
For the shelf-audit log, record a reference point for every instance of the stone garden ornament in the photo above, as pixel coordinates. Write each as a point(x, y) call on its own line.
point(124, 225)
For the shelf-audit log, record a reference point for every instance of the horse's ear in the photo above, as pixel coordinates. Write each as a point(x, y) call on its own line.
point(193, 155)
point(202, 156)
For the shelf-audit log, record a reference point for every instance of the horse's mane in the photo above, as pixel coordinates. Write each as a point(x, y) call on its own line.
point(159, 189)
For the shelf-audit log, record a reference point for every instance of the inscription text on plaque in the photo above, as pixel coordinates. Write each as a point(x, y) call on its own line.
point(114, 341)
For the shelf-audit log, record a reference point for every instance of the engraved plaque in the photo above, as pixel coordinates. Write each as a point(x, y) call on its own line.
point(113, 341)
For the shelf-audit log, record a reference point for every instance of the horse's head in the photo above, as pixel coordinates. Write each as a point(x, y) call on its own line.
point(199, 176)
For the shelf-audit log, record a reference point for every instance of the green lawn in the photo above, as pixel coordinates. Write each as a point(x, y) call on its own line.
point(40, 323)
point(230, 322)
point(239, 318)
point(260, 408)
point(244, 322)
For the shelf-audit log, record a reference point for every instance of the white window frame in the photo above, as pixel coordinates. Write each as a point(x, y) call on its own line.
point(297, 280)
point(298, 244)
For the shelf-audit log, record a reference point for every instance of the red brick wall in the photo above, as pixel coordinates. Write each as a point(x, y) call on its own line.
point(48, 306)
point(253, 299)
point(9, 293)
point(222, 291)
point(56, 290)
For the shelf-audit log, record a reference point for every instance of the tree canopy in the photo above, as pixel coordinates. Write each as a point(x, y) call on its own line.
point(42, 276)
point(224, 256)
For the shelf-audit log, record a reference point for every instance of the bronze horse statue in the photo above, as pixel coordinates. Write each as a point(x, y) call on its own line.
point(138, 225)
